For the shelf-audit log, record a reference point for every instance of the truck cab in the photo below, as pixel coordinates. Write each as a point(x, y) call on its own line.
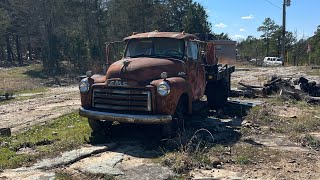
point(156, 81)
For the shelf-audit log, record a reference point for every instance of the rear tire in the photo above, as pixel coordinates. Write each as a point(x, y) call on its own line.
point(217, 94)
point(100, 130)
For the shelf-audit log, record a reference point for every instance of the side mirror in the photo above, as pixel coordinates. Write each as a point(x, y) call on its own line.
point(204, 57)
point(114, 51)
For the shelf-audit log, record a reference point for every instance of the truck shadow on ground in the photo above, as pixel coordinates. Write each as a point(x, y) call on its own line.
point(145, 141)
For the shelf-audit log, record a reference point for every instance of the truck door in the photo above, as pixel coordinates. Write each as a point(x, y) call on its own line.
point(196, 70)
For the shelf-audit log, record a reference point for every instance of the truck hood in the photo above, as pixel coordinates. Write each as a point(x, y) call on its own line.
point(144, 69)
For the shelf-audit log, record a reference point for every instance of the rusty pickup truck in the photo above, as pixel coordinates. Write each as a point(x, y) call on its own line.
point(156, 81)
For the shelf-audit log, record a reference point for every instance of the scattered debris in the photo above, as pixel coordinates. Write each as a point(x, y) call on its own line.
point(7, 96)
point(310, 87)
point(315, 67)
point(307, 90)
point(5, 132)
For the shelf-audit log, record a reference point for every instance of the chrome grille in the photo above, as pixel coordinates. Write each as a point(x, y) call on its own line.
point(122, 99)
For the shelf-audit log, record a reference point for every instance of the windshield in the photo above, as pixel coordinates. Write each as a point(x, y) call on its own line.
point(155, 47)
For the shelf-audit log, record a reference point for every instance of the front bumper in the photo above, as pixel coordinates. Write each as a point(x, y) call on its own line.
point(126, 118)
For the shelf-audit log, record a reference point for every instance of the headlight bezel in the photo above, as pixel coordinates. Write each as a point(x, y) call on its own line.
point(86, 86)
point(163, 89)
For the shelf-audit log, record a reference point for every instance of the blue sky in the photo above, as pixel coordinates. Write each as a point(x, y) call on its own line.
point(240, 18)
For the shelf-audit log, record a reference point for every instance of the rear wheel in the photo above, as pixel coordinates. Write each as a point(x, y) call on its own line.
point(100, 129)
point(217, 94)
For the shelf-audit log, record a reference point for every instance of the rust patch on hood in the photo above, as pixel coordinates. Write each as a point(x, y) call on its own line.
point(142, 69)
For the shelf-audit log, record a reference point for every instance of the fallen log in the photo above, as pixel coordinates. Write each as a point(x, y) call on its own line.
point(242, 93)
point(255, 90)
point(249, 86)
point(272, 82)
point(299, 95)
point(313, 100)
point(291, 95)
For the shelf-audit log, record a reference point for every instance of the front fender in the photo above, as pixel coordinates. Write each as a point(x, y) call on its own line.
point(178, 87)
point(86, 98)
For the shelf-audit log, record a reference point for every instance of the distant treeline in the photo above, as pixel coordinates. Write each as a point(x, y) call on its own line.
point(72, 33)
point(298, 51)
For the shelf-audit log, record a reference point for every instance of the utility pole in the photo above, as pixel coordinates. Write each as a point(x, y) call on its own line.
point(283, 46)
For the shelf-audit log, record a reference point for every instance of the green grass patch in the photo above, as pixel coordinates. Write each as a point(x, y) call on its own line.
point(65, 133)
point(63, 176)
point(242, 160)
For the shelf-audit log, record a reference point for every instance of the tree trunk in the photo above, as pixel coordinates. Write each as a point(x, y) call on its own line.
point(29, 49)
point(98, 18)
point(53, 64)
point(9, 49)
point(19, 58)
point(2, 56)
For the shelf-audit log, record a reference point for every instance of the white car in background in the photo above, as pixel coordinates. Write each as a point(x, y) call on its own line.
point(272, 61)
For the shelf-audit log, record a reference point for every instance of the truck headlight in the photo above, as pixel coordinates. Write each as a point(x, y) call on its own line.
point(84, 86)
point(163, 88)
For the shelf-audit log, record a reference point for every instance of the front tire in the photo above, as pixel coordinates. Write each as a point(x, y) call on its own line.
point(100, 130)
point(177, 123)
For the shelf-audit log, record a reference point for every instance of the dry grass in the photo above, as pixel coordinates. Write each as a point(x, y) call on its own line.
point(191, 153)
point(27, 79)
point(314, 72)
point(283, 116)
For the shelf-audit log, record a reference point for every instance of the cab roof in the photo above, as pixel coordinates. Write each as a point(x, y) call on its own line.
point(155, 34)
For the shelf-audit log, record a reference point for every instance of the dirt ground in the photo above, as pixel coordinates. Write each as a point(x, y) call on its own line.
point(135, 154)
point(39, 108)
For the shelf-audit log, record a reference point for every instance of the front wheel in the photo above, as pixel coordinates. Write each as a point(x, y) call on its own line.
point(100, 129)
point(177, 123)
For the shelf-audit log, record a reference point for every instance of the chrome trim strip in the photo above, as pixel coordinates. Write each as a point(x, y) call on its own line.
point(149, 102)
point(126, 118)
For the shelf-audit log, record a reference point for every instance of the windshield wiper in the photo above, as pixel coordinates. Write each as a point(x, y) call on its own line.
point(165, 56)
point(139, 55)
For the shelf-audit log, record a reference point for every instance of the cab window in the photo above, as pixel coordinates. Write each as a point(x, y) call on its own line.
point(192, 50)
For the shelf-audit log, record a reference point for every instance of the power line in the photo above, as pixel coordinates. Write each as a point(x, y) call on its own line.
point(273, 4)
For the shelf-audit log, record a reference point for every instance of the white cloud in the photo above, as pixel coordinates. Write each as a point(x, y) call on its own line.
point(208, 11)
point(243, 30)
point(248, 17)
point(238, 36)
point(220, 25)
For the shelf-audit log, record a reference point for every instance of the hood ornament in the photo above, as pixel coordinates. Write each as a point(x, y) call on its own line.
point(126, 62)
point(124, 66)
